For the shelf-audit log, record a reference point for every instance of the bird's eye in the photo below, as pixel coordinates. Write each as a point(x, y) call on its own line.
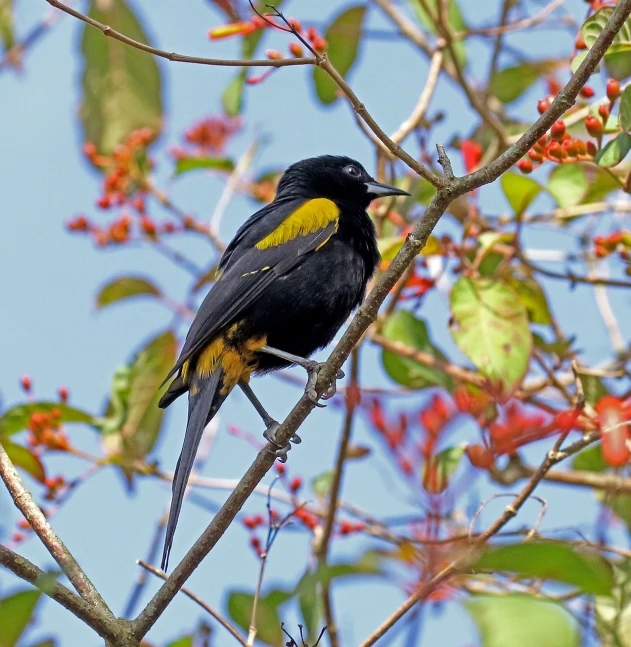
point(353, 171)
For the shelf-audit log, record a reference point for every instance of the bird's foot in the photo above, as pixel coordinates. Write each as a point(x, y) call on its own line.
point(313, 370)
point(280, 451)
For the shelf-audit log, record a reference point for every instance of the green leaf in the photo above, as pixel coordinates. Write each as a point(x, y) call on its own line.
point(577, 60)
point(321, 484)
point(24, 458)
point(121, 85)
point(455, 20)
point(343, 37)
point(436, 472)
point(593, 388)
point(567, 184)
point(389, 247)
point(490, 325)
point(7, 35)
point(533, 299)
point(614, 151)
point(368, 564)
point(522, 621)
point(232, 97)
point(613, 612)
point(617, 58)
point(403, 327)
point(267, 619)
point(550, 560)
point(184, 641)
point(133, 421)
point(195, 163)
point(17, 418)
point(600, 183)
point(624, 111)
point(511, 82)
point(16, 612)
point(590, 460)
point(557, 347)
point(520, 191)
point(125, 287)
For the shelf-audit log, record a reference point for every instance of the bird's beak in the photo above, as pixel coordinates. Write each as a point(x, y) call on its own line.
point(381, 190)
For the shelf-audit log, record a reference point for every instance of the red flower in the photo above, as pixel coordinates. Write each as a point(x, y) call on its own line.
point(471, 154)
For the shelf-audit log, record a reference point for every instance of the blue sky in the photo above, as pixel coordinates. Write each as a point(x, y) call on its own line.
point(51, 330)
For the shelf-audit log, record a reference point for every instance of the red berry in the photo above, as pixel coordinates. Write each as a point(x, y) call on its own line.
point(104, 202)
point(603, 111)
point(570, 147)
point(148, 226)
point(543, 105)
point(280, 468)
point(555, 150)
point(558, 130)
point(579, 43)
point(525, 165)
point(587, 92)
point(63, 393)
point(319, 44)
point(594, 126)
point(26, 383)
point(591, 149)
point(613, 89)
point(296, 484)
point(480, 456)
point(296, 49)
point(273, 54)
point(346, 527)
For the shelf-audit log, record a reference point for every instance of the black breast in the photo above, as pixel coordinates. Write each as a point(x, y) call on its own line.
point(301, 312)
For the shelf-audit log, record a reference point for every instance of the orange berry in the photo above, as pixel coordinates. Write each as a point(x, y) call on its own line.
point(613, 89)
point(296, 49)
point(594, 126)
point(525, 166)
point(558, 130)
point(26, 383)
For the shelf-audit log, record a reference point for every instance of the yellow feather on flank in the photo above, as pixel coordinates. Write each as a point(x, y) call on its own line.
point(307, 219)
point(209, 358)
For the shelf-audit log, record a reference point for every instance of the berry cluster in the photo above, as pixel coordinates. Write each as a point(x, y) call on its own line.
point(559, 146)
point(518, 428)
point(617, 241)
point(208, 137)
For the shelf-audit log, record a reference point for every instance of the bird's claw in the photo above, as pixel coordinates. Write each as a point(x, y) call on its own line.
point(312, 377)
point(280, 451)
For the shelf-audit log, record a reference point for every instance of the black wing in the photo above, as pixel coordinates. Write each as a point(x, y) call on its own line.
point(247, 272)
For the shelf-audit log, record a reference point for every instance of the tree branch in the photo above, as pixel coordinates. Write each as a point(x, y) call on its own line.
point(26, 570)
point(32, 513)
point(172, 56)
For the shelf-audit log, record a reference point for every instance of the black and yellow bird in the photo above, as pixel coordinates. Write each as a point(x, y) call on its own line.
point(286, 283)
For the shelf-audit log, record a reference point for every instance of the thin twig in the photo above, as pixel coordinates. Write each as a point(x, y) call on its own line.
point(220, 619)
point(323, 542)
point(179, 58)
point(418, 113)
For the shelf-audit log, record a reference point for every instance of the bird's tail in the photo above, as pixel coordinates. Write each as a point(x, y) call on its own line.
point(205, 398)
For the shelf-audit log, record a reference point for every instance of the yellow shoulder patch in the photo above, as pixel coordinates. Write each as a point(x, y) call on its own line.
point(307, 219)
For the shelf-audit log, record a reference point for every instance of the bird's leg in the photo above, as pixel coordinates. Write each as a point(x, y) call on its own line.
point(270, 424)
point(312, 367)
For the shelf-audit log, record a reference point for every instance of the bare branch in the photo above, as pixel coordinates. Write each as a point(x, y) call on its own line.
point(179, 58)
point(220, 619)
point(26, 570)
point(32, 513)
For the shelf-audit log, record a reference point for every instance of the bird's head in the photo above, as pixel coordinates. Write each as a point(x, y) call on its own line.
point(333, 177)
